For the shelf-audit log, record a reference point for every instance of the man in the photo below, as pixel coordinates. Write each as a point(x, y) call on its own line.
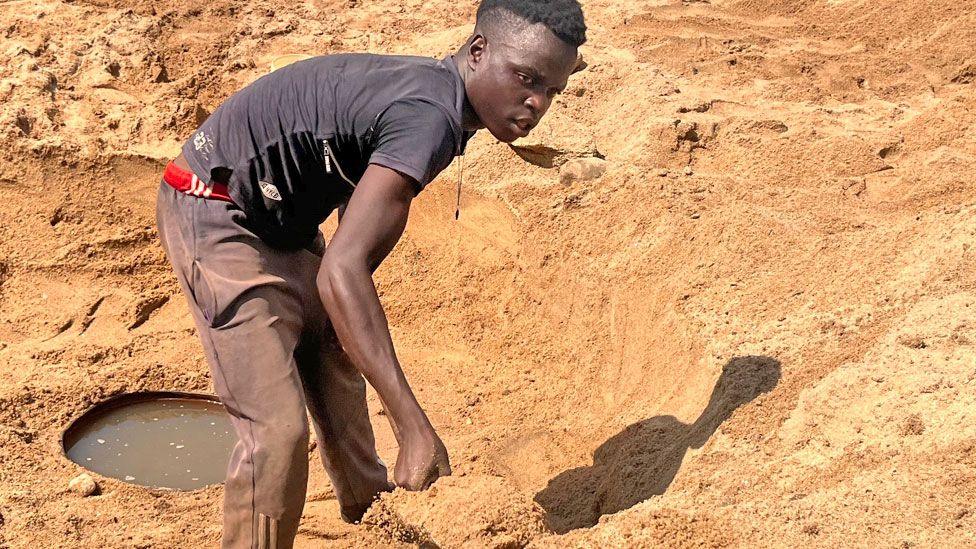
point(286, 325)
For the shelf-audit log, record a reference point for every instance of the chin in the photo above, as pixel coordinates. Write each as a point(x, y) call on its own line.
point(503, 134)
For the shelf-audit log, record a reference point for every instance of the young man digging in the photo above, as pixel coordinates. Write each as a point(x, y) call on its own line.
point(286, 324)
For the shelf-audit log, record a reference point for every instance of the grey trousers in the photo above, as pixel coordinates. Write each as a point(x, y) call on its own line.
point(272, 353)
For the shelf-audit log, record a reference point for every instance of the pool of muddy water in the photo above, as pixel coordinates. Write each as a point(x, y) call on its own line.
point(174, 443)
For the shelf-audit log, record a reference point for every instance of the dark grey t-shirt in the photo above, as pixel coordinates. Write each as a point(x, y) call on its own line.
point(297, 141)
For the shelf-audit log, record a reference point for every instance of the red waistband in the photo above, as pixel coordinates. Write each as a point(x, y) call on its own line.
point(188, 183)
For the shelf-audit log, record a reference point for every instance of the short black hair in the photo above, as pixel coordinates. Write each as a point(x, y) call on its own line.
point(563, 17)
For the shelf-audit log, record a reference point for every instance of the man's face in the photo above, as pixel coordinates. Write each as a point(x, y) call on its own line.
point(515, 75)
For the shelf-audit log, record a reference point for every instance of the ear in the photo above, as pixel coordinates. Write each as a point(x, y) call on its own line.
point(580, 64)
point(477, 48)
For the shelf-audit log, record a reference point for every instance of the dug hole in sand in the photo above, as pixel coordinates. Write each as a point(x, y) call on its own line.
point(630, 467)
point(744, 314)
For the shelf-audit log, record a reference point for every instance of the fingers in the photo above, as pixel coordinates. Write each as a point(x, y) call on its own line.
point(444, 468)
point(415, 482)
point(441, 469)
point(432, 475)
point(415, 485)
point(416, 469)
point(422, 480)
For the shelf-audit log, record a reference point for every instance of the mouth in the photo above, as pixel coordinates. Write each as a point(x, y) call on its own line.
point(522, 127)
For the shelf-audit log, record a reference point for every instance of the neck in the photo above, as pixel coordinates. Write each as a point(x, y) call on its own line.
point(469, 118)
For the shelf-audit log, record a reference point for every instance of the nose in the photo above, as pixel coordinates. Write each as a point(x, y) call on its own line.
point(538, 103)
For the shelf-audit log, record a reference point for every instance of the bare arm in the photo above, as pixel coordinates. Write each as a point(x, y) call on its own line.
point(371, 224)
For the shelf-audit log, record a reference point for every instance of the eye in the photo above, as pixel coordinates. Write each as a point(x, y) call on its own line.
point(526, 79)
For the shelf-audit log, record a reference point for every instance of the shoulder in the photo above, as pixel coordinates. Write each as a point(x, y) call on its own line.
point(398, 76)
point(406, 64)
point(417, 116)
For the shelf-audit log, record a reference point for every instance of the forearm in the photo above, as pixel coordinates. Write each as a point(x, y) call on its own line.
point(354, 308)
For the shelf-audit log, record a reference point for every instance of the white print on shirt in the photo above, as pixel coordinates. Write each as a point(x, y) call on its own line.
point(269, 190)
point(203, 144)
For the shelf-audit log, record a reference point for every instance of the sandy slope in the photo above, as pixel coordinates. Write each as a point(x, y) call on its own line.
point(756, 327)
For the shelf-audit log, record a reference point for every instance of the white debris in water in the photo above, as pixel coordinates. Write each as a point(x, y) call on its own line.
point(195, 478)
point(87, 459)
point(213, 423)
point(100, 440)
point(187, 470)
point(178, 446)
point(129, 477)
point(155, 419)
point(172, 443)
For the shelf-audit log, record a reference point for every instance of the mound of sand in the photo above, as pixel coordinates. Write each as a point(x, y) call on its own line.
point(470, 511)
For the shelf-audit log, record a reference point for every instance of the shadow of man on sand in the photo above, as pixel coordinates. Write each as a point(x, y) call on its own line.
point(642, 460)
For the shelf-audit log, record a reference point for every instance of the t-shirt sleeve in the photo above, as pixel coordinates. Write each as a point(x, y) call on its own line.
point(416, 138)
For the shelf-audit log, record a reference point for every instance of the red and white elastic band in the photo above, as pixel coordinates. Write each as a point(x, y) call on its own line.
point(188, 183)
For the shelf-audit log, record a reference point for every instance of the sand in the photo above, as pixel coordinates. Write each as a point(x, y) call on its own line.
point(753, 325)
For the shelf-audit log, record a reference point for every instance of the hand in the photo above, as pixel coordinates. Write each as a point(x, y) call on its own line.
point(422, 460)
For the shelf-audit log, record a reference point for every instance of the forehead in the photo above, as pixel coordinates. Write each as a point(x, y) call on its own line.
point(535, 47)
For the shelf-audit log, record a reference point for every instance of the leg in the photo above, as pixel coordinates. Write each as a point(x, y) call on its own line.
point(336, 395)
point(256, 377)
point(249, 319)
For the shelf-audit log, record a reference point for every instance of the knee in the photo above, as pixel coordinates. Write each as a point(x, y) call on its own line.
point(293, 433)
point(286, 435)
